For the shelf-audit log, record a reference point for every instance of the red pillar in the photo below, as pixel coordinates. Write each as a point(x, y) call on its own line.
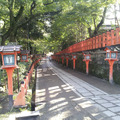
point(10, 84)
point(67, 62)
point(74, 63)
point(87, 59)
point(87, 66)
point(111, 63)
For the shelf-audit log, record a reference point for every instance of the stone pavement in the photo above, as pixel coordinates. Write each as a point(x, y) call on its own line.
point(63, 96)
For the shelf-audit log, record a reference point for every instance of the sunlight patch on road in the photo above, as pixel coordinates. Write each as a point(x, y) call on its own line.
point(87, 118)
point(57, 100)
point(54, 95)
point(61, 116)
point(53, 91)
point(52, 88)
point(47, 75)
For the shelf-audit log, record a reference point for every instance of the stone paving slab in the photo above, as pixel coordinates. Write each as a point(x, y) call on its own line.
point(106, 103)
point(55, 99)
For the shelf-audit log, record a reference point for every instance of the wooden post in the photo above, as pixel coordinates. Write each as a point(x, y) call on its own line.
point(18, 78)
point(74, 63)
point(34, 93)
point(67, 62)
point(87, 66)
point(111, 57)
point(87, 59)
point(10, 85)
point(111, 63)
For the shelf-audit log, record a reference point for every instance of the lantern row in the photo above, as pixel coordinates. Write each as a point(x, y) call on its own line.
point(109, 38)
point(111, 57)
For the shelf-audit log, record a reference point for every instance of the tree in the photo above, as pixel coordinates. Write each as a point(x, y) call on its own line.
point(79, 20)
point(17, 14)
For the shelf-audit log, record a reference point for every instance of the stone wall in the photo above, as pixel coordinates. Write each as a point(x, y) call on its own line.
point(97, 67)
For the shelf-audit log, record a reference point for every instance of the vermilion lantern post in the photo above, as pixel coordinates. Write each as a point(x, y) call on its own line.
point(9, 63)
point(67, 59)
point(24, 55)
point(111, 57)
point(87, 59)
point(74, 58)
point(62, 59)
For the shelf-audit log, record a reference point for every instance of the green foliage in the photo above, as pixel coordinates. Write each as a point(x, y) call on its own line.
point(3, 77)
point(68, 22)
point(77, 16)
point(22, 70)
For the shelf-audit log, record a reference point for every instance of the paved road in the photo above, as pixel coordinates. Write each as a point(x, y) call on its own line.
point(64, 96)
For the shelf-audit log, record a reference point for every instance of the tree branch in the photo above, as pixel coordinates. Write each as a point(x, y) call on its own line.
point(33, 5)
point(94, 22)
point(103, 18)
point(48, 3)
point(37, 15)
point(19, 13)
point(101, 22)
point(89, 31)
point(28, 20)
point(53, 13)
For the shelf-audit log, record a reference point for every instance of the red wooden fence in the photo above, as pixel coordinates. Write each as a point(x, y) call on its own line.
point(20, 99)
point(109, 38)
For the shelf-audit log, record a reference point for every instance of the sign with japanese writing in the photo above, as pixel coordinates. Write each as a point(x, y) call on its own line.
point(9, 59)
point(108, 54)
point(87, 57)
point(24, 57)
point(113, 55)
point(74, 57)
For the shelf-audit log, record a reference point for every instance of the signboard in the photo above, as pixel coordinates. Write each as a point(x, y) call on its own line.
point(74, 57)
point(113, 55)
point(24, 57)
point(87, 57)
point(108, 55)
point(9, 59)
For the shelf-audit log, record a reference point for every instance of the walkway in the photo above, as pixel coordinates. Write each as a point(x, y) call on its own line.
point(64, 96)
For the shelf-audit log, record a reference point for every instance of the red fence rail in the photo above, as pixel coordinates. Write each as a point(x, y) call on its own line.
point(20, 99)
point(109, 38)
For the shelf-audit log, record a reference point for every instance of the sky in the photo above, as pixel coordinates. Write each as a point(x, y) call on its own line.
point(110, 16)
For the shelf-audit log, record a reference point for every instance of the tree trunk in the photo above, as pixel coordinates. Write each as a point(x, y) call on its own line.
point(11, 33)
point(3, 40)
point(89, 31)
point(34, 92)
point(12, 37)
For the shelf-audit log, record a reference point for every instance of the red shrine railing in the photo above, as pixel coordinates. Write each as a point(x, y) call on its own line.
point(109, 38)
point(20, 99)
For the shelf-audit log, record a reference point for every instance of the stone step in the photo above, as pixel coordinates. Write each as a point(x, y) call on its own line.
point(35, 117)
point(28, 116)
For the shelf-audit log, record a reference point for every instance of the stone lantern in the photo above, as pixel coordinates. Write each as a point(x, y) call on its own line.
point(111, 57)
point(87, 59)
point(74, 58)
point(9, 63)
point(24, 55)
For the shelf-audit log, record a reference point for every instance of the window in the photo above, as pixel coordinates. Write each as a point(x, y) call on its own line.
point(24, 57)
point(108, 55)
point(87, 57)
point(9, 59)
point(113, 55)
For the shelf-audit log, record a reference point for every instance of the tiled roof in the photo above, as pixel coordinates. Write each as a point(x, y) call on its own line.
point(10, 48)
